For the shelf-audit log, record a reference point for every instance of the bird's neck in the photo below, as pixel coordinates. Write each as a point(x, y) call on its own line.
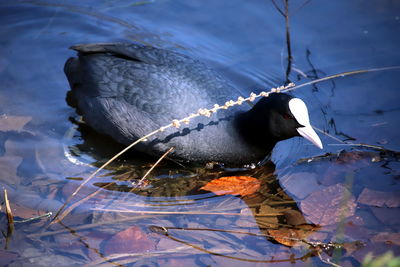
point(254, 129)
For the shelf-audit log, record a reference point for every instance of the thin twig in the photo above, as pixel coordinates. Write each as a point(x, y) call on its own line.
point(288, 46)
point(329, 135)
point(344, 143)
point(278, 8)
point(76, 204)
point(240, 232)
point(380, 148)
point(285, 14)
point(46, 215)
point(302, 5)
point(152, 167)
point(327, 261)
point(187, 213)
point(342, 74)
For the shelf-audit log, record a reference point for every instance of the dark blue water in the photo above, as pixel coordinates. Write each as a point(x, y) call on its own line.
point(245, 41)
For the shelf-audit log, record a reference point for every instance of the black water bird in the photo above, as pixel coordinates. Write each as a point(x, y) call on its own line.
point(128, 90)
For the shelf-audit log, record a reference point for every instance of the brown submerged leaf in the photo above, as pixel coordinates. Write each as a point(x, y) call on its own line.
point(379, 199)
point(329, 206)
point(13, 123)
point(292, 236)
point(131, 240)
point(24, 212)
point(386, 216)
point(234, 185)
point(387, 238)
point(6, 257)
point(8, 170)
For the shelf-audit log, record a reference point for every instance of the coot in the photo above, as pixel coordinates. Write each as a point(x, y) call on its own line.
point(128, 90)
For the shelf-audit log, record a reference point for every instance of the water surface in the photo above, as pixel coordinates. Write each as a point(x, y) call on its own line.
point(44, 152)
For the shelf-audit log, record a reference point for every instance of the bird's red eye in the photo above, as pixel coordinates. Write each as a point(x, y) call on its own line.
point(287, 117)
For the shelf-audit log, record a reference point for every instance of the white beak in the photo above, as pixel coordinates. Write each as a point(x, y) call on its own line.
point(308, 133)
point(300, 112)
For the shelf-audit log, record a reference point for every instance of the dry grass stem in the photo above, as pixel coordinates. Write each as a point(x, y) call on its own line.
point(152, 167)
point(381, 148)
point(76, 204)
point(344, 143)
point(312, 244)
point(46, 215)
point(214, 230)
point(327, 261)
point(338, 75)
point(10, 216)
point(188, 213)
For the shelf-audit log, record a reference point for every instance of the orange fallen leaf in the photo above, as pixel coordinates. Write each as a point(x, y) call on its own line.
point(234, 185)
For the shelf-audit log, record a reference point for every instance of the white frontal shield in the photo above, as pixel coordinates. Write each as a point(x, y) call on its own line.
point(300, 113)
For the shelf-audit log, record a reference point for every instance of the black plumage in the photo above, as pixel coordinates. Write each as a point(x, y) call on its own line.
point(128, 90)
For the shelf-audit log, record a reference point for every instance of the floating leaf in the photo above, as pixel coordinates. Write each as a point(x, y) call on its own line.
point(234, 185)
point(329, 206)
point(130, 240)
point(379, 198)
point(387, 216)
point(301, 184)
